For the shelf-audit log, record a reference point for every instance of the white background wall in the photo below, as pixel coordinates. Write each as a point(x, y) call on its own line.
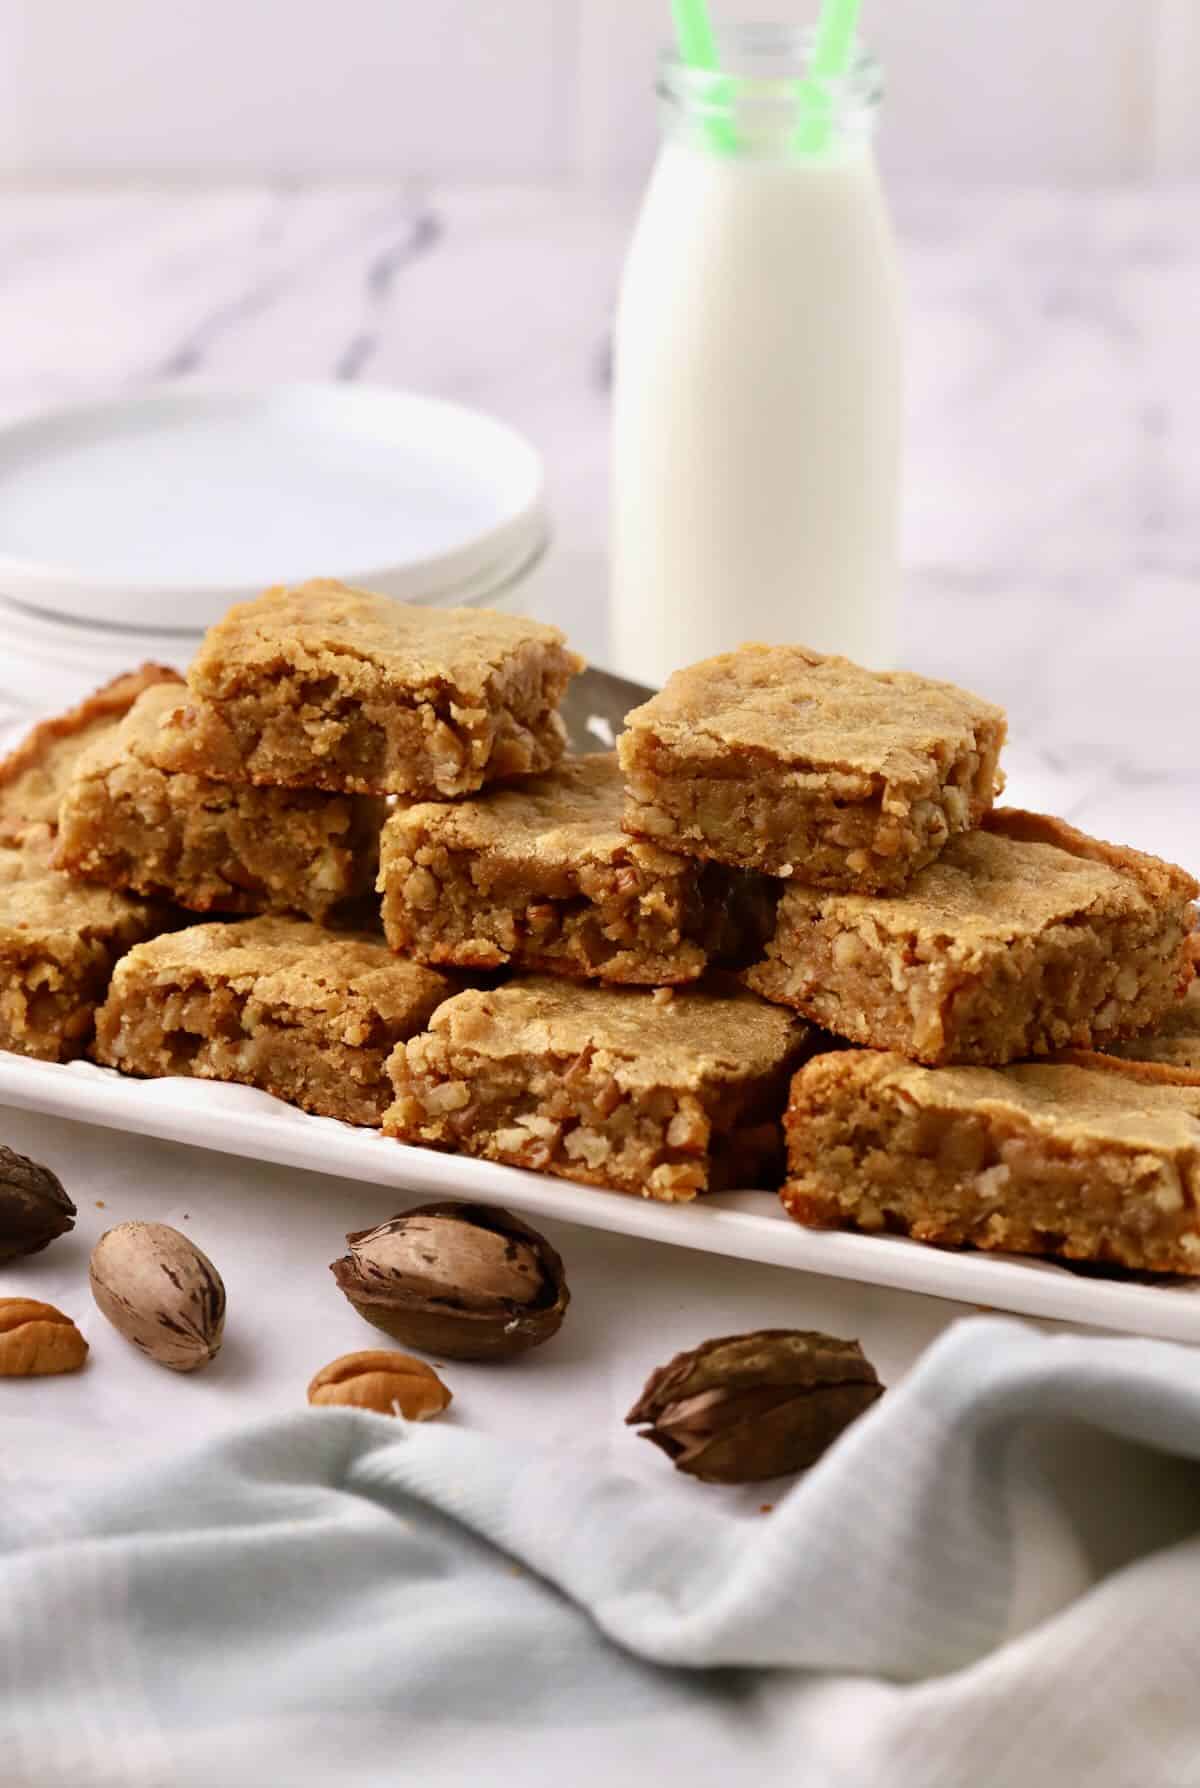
point(1031, 89)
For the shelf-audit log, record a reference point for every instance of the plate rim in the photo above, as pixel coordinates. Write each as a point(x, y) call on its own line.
point(255, 1126)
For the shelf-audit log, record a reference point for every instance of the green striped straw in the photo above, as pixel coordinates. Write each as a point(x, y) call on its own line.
point(833, 49)
point(698, 49)
point(693, 27)
point(837, 30)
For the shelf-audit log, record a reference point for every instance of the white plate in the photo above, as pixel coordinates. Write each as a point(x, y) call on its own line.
point(746, 1225)
point(163, 508)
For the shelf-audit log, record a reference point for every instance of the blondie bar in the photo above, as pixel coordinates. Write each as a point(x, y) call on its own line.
point(1175, 1039)
point(210, 846)
point(1081, 1162)
point(328, 687)
point(59, 942)
point(779, 759)
point(541, 875)
point(34, 777)
point(1023, 938)
point(306, 1014)
point(664, 1094)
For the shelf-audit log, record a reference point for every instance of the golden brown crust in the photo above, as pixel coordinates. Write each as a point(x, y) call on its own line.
point(1077, 1096)
point(779, 759)
point(34, 776)
point(1023, 938)
point(611, 1087)
point(572, 811)
point(814, 712)
point(280, 1004)
point(329, 687)
point(331, 628)
point(1071, 1158)
point(343, 980)
point(698, 1036)
point(1148, 1073)
point(1161, 880)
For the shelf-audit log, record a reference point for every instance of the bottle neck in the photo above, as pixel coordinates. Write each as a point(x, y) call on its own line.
point(765, 102)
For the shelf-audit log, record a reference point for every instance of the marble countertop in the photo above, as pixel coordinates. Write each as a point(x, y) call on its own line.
point(1052, 545)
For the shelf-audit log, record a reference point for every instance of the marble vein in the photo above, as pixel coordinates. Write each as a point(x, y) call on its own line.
point(420, 238)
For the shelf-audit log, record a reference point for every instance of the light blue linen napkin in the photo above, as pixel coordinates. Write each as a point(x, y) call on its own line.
point(337, 1598)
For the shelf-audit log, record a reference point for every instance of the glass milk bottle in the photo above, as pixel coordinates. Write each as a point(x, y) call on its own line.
point(758, 400)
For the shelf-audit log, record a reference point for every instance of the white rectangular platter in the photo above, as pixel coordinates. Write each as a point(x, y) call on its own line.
point(746, 1225)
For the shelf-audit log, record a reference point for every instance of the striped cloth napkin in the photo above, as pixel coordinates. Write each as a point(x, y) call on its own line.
point(334, 1598)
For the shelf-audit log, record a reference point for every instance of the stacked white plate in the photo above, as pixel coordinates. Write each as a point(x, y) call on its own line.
point(127, 527)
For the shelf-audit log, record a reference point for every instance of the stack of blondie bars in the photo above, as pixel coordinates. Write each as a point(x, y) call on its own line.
point(1024, 1073)
point(785, 905)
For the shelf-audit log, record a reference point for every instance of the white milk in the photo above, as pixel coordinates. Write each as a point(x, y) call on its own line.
point(758, 407)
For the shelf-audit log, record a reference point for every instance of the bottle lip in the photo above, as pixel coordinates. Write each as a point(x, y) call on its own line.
point(764, 75)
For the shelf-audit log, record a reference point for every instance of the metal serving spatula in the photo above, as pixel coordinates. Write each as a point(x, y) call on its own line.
point(595, 707)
